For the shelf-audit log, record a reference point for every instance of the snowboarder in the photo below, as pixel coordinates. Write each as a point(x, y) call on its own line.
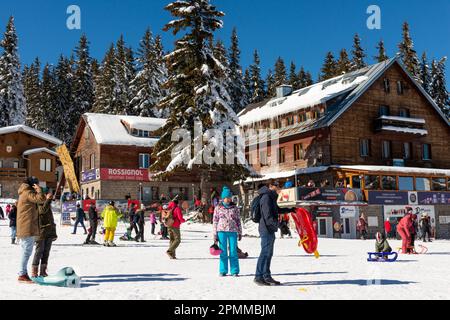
point(227, 231)
point(93, 224)
point(47, 234)
point(110, 215)
point(12, 216)
point(153, 221)
point(139, 221)
point(174, 229)
point(80, 219)
point(405, 228)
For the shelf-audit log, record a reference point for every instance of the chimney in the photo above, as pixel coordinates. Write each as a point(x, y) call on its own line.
point(283, 91)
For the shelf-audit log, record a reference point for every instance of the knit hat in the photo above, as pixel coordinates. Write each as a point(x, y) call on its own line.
point(226, 193)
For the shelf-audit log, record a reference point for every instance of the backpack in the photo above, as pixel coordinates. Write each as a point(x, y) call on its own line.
point(256, 209)
point(167, 218)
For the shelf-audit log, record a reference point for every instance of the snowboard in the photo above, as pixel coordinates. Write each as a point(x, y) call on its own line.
point(382, 256)
point(65, 277)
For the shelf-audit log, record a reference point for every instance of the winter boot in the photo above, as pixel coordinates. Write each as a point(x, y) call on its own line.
point(34, 271)
point(13, 241)
point(25, 279)
point(106, 243)
point(43, 271)
point(112, 244)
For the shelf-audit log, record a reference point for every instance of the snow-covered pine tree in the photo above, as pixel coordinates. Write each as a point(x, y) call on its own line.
point(381, 56)
point(257, 83)
point(247, 84)
point(329, 68)
point(280, 76)
point(237, 90)
point(48, 112)
point(438, 87)
point(308, 79)
point(271, 87)
point(293, 77)
point(196, 92)
point(344, 65)
point(304, 78)
point(32, 92)
point(150, 76)
point(12, 98)
point(358, 54)
point(125, 73)
point(106, 92)
point(425, 76)
point(409, 55)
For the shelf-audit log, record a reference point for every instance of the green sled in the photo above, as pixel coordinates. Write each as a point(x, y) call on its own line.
point(66, 277)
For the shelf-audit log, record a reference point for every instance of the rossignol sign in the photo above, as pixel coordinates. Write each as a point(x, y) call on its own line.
point(125, 174)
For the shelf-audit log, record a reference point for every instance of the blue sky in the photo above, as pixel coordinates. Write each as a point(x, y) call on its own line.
point(302, 31)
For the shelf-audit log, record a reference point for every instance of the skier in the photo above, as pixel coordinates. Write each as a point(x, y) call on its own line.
point(174, 230)
point(110, 215)
point(93, 223)
point(80, 219)
point(227, 231)
point(387, 228)
point(405, 228)
point(12, 216)
point(47, 234)
point(139, 221)
point(153, 221)
point(426, 227)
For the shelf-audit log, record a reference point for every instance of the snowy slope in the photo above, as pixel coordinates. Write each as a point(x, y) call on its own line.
point(143, 271)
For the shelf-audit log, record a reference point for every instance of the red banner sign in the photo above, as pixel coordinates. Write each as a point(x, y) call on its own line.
point(125, 174)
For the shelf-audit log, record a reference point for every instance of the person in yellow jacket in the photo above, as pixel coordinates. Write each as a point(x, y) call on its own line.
point(110, 215)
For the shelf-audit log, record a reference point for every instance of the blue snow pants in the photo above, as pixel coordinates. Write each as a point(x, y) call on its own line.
point(228, 240)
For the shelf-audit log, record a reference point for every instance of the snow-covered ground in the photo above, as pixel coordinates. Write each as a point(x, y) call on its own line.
point(143, 271)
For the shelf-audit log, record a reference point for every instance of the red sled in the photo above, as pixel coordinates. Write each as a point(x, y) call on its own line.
point(305, 229)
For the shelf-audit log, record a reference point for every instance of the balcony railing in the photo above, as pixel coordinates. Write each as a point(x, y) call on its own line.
point(12, 173)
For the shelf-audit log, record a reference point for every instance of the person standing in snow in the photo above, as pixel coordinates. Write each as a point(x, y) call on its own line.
point(93, 224)
point(47, 234)
point(405, 229)
point(174, 229)
point(110, 216)
point(80, 219)
point(12, 216)
point(2, 215)
point(227, 231)
point(153, 221)
point(30, 195)
point(132, 218)
point(139, 221)
point(362, 227)
point(426, 227)
point(8, 209)
point(387, 228)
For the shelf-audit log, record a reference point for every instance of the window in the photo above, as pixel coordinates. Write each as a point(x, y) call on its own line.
point(155, 193)
point(16, 164)
point(290, 120)
point(426, 151)
point(371, 182)
point(146, 134)
point(322, 227)
point(45, 165)
point(400, 87)
point(438, 184)
point(406, 150)
point(298, 152)
point(403, 112)
point(423, 184)
point(263, 158)
point(386, 149)
point(281, 155)
point(302, 117)
point(364, 147)
point(1, 163)
point(388, 182)
point(405, 183)
point(356, 182)
point(387, 87)
point(383, 111)
point(93, 161)
point(144, 161)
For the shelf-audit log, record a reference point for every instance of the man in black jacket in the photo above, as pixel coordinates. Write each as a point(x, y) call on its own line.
point(80, 219)
point(132, 219)
point(140, 222)
point(268, 226)
point(93, 223)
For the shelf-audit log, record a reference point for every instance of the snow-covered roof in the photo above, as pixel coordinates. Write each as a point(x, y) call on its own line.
point(109, 129)
point(37, 150)
point(284, 174)
point(405, 170)
point(32, 132)
point(404, 119)
point(421, 132)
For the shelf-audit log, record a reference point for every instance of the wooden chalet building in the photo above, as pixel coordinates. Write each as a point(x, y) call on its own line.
point(26, 152)
point(374, 129)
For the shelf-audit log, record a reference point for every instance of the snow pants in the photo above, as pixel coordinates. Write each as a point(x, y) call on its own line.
point(406, 239)
point(175, 240)
point(42, 252)
point(228, 240)
point(109, 234)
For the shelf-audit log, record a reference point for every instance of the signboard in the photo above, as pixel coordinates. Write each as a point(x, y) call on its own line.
point(287, 195)
point(323, 211)
point(400, 211)
point(339, 194)
point(69, 210)
point(433, 197)
point(87, 204)
point(444, 219)
point(412, 197)
point(90, 175)
point(372, 221)
point(388, 197)
point(125, 174)
point(122, 205)
point(348, 212)
point(69, 171)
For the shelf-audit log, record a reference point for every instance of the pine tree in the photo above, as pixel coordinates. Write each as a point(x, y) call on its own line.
point(106, 91)
point(12, 100)
point(271, 86)
point(304, 78)
point(329, 68)
point(344, 65)
point(238, 92)
point(150, 76)
point(409, 55)
point(247, 84)
point(381, 52)
point(358, 54)
point(438, 87)
point(125, 73)
point(280, 76)
point(32, 89)
point(196, 92)
point(308, 79)
point(293, 77)
point(257, 83)
point(425, 76)
point(48, 113)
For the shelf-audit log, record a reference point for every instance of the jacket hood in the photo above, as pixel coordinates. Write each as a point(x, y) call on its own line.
point(264, 190)
point(172, 205)
point(24, 187)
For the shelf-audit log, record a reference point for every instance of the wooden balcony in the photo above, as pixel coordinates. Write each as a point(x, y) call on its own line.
point(404, 125)
point(12, 173)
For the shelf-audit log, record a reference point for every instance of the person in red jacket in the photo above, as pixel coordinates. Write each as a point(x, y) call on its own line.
point(405, 229)
point(387, 228)
point(174, 230)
